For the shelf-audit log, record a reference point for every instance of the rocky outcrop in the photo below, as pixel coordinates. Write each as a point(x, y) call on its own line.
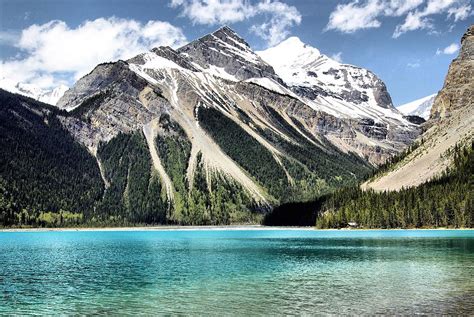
point(227, 50)
point(451, 124)
point(457, 91)
point(108, 101)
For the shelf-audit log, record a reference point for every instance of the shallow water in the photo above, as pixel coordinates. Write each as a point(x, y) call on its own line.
point(239, 272)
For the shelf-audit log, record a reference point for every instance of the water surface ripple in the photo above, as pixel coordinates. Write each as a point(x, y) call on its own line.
point(240, 272)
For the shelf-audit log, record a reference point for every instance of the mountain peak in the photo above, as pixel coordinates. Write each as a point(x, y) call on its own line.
point(292, 40)
point(291, 49)
point(227, 51)
point(229, 36)
point(225, 29)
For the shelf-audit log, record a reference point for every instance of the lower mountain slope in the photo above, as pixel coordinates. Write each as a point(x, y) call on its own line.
point(445, 201)
point(47, 178)
point(42, 168)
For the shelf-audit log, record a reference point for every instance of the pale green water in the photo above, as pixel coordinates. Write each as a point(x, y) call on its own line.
point(264, 272)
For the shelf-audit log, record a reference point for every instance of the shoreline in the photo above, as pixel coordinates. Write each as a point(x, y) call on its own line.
point(208, 228)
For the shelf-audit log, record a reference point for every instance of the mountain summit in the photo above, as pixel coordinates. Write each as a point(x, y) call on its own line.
point(224, 51)
point(340, 89)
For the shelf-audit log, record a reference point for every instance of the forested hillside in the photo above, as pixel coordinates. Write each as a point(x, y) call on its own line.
point(446, 201)
point(42, 169)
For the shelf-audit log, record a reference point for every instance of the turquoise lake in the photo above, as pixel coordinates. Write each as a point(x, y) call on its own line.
point(238, 272)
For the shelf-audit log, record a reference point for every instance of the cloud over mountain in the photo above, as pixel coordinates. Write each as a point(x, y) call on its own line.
point(55, 50)
point(358, 15)
point(278, 17)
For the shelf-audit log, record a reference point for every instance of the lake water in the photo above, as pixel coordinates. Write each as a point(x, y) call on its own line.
point(239, 272)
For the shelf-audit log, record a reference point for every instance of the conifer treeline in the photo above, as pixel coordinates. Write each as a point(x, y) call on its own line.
point(447, 201)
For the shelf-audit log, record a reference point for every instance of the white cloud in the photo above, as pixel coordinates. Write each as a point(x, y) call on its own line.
point(460, 13)
point(214, 11)
point(364, 14)
point(337, 57)
point(419, 19)
point(283, 17)
point(53, 51)
point(400, 7)
point(278, 17)
point(413, 21)
point(357, 15)
point(354, 16)
point(414, 65)
point(448, 50)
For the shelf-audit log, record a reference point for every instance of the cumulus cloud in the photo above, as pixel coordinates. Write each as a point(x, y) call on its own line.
point(354, 16)
point(278, 17)
point(214, 11)
point(448, 50)
point(358, 15)
point(54, 51)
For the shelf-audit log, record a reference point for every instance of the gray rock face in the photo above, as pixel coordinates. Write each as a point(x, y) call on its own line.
point(103, 75)
point(458, 88)
point(382, 97)
point(107, 102)
point(225, 49)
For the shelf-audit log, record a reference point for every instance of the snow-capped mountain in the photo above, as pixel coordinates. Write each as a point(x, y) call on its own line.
point(50, 96)
point(420, 107)
point(339, 89)
point(238, 120)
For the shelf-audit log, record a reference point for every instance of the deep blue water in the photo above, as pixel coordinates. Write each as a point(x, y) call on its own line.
point(239, 272)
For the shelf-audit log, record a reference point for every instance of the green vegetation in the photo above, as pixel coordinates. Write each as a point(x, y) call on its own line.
point(135, 194)
point(255, 159)
point(329, 164)
point(313, 171)
point(211, 200)
point(445, 201)
point(42, 169)
point(174, 150)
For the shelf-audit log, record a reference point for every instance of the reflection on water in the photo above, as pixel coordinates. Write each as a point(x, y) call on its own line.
point(239, 272)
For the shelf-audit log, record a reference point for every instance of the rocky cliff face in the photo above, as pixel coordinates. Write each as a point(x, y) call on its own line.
point(226, 52)
point(451, 123)
point(457, 91)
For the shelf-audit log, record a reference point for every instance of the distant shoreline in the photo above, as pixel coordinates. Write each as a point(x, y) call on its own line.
point(197, 228)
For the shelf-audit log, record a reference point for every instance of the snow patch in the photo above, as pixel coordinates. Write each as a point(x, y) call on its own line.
point(420, 107)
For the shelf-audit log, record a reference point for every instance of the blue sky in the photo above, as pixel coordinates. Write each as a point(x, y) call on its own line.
point(407, 43)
